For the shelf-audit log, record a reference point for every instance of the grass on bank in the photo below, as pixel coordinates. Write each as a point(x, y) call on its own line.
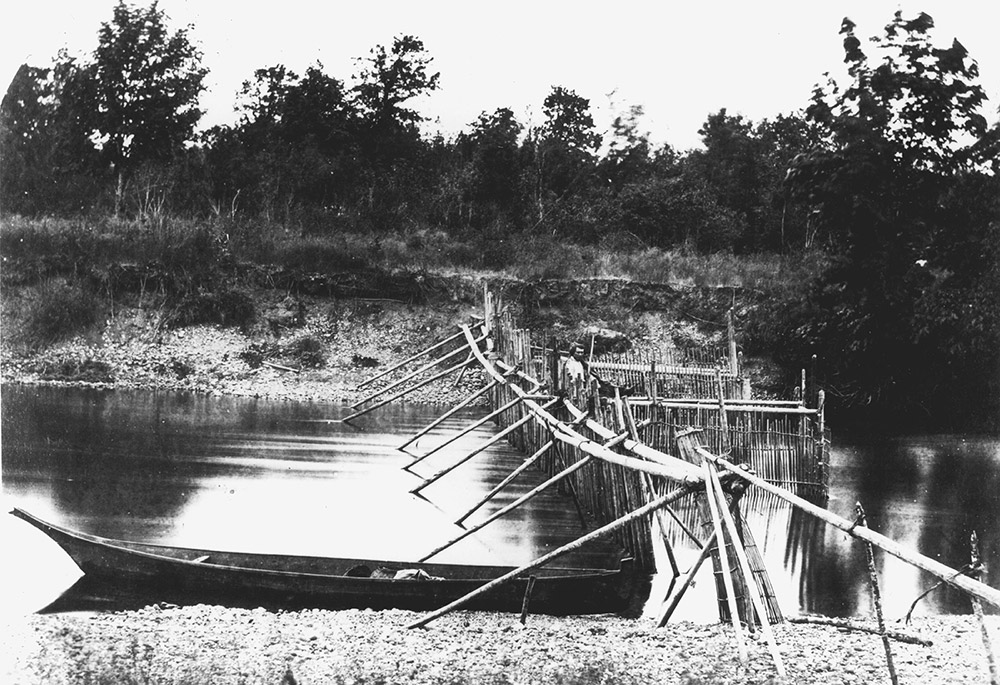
point(196, 251)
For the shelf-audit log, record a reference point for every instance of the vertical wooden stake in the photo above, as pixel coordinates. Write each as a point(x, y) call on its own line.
point(862, 520)
point(977, 609)
point(527, 598)
point(727, 574)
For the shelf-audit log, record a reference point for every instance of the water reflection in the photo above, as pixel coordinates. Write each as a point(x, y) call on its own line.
point(259, 476)
point(926, 492)
point(231, 473)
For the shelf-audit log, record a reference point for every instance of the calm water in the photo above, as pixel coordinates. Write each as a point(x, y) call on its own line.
point(256, 475)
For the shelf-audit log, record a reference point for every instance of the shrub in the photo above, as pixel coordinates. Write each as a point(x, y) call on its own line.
point(227, 307)
point(307, 351)
point(55, 310)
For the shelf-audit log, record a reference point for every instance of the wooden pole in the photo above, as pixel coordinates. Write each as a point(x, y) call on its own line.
point(493, 439)
point(734, 366)
point(727, 576)
point(392, 398)
point(537, 490)
point(527, 598)
point(418, 355)
point(668, 611)
point(565, 473)
point(603, 531)
point(748, 578)
point(846, 624)
point(519, 470)
point(949, 575)
point(413, 374)
point(862, 521)
point(977, 609)
point(465, 431)
point(527, 463)
point(448, 414)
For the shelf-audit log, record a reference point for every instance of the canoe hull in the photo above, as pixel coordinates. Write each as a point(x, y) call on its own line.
point(189, 576)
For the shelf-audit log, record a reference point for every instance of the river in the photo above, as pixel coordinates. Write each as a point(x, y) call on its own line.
point(282, 477)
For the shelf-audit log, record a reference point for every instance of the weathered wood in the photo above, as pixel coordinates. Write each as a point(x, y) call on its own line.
point(977, 609)
point(846, 624)
point(668, 610)
point(603, 531)
point(413, 374)
point(448, 414)
point(406, 361)
point(465, 431)
point(949, 575)
point(524, 466)
point(492, 440)
point(280, 367)
point(727, 576)
point(862, 521)
point(715, 489)
point(405, 392)
point(527, 598)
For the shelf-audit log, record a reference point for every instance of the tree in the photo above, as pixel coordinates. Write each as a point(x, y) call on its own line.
point(563, 151)
point(47, 160)
point(902, 148)
point(147, 81)
point(387, 81)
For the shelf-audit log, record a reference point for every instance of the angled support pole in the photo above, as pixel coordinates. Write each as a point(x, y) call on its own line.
point(395, 397)
point(493, 439)
point(448, 414)
point(406, 361)
point(603, 531)
point(715, 488)
point(533, 459)
point(465, 431)
point(413, 374)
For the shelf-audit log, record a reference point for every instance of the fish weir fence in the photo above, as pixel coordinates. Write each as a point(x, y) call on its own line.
point(655, 396)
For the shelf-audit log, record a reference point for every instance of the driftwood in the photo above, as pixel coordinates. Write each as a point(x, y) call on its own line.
point(279, 367)
point(862, 520)
point(847, 624)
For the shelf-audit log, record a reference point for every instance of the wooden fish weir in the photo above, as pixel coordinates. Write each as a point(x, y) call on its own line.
point(624, 447)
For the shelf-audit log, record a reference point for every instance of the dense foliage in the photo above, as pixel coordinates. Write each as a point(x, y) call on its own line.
point(893, 175)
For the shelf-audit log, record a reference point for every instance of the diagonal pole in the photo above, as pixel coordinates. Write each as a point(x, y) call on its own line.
point(413, 374)
point(407, 391)
point(448, 414)
point(493, 439)
point(406, 361)
point(748, 577)
point(465, 431)
point(727, 575)
point(603, 531)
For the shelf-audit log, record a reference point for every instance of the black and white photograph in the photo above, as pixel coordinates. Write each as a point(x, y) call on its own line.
point(520, 343)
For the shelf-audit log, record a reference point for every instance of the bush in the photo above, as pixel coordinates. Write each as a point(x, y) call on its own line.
point(307, 352)
point(55, 310)
point(226, 308)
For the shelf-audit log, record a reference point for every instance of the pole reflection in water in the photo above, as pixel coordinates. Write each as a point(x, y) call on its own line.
point(267, 477)
point(927, 492)
point(280, 477)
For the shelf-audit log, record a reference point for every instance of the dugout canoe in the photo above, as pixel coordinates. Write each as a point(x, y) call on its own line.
point(190, 576)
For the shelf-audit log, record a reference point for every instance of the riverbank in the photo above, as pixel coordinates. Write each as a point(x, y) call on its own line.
point(202, 644)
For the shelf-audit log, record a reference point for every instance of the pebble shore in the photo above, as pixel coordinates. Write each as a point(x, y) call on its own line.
point(207, 644)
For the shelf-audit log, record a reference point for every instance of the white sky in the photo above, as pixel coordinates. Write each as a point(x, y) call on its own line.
point(680, 60)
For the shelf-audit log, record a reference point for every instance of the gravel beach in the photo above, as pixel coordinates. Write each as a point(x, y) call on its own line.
point(203, 644)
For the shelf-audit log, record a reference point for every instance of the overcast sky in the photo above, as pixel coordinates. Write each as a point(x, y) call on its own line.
point(679, 60)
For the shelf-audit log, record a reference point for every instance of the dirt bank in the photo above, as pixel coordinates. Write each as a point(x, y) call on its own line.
point(320, 346)
point(202, 644)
